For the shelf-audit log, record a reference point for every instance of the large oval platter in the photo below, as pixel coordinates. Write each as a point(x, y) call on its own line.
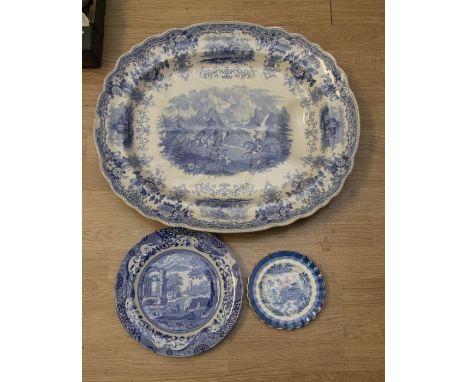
point(226, 127)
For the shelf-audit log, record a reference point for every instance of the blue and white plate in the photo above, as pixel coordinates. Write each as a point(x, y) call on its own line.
point(226, 127)
point(179, 292)
point(286, 290)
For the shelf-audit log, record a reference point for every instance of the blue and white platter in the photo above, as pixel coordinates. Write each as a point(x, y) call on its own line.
point(226, 127)
point(286, 290)
point(179, 292)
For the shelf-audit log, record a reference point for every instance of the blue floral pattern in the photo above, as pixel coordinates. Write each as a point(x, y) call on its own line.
point(236, 174)
point(179, 292)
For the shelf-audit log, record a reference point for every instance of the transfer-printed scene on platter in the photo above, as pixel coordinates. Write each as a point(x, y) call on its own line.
point(178, 291)
point(224, 131)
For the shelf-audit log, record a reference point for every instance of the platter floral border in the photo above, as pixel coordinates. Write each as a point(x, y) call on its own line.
point(173, 344)
point(173, 212)
point(308, 316)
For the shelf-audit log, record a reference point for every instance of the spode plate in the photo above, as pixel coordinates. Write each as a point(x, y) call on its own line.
point(226, 127)
point(286, 290)
point(179, 292)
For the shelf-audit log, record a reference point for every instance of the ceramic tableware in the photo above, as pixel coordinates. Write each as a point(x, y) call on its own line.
point(226, 127)
point(179, 292)
point(286, 290)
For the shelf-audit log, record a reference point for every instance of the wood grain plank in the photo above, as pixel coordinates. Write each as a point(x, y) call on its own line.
point(358, 12)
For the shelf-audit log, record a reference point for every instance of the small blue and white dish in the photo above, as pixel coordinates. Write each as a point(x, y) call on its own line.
point(286, 290)
point(226, 127)
point(179, 292)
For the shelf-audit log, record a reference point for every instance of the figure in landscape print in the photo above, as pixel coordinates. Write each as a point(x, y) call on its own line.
point(224, 131)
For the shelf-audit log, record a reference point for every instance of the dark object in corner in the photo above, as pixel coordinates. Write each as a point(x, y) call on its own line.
point(85, 4)
point(93, 35)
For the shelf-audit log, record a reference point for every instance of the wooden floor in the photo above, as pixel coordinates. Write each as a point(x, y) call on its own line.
point(346, 239)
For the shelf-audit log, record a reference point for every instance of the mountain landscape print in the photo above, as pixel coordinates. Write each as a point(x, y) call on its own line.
point(224, 131)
